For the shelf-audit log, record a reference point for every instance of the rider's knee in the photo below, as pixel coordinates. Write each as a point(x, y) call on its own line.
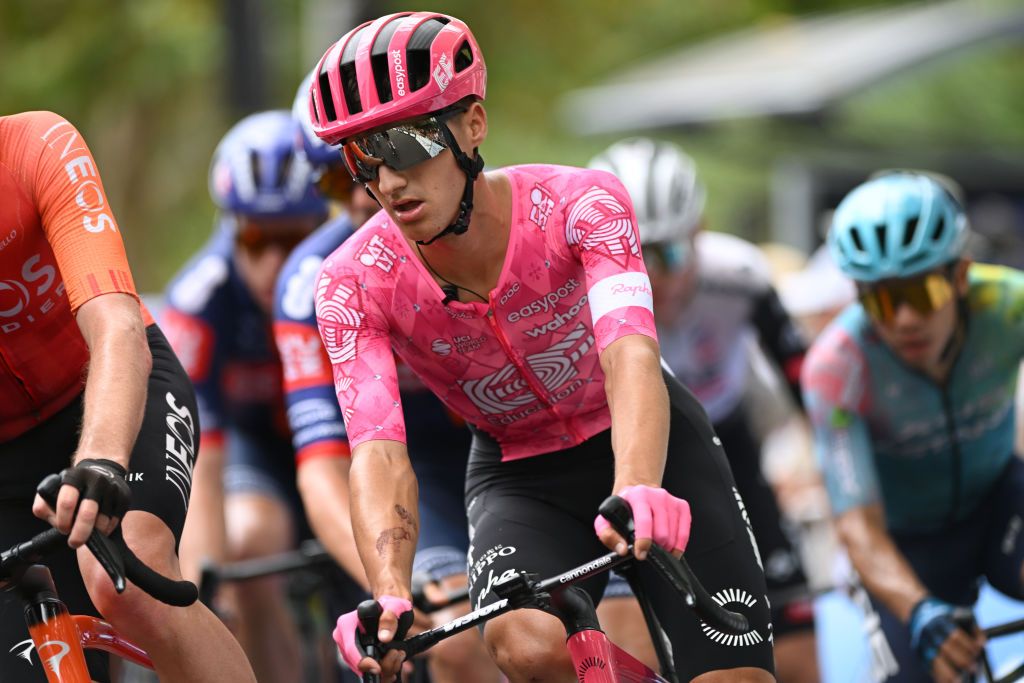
point(131, 611)
point(528, 645)
point(257, 526)
point(457, 653)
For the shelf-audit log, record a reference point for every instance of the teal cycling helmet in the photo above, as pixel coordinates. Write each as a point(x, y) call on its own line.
point(896, 226)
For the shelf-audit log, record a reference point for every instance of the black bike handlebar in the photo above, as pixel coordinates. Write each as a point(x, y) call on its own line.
point(523, 590)
point(114, 556)
point(676, 571)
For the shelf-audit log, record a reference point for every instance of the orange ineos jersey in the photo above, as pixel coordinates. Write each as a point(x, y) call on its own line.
point(59, 247)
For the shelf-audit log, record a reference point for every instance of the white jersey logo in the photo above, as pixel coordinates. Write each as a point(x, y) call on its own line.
point(599, 221)
point(340, 342)
point(507, 390)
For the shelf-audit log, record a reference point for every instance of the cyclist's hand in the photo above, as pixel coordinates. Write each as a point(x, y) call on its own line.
point(396, 618)
point(947, 650)
point(94, 493)
point(657, 515)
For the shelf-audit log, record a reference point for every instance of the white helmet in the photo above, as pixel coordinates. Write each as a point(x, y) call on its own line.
point(662, 183)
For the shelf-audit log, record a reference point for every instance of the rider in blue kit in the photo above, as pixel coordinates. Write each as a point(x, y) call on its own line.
point(911, 395)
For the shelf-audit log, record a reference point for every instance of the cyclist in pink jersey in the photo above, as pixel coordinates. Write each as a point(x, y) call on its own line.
point(520, 298)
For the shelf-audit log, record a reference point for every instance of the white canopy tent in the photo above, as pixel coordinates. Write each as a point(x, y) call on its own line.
point(796, 68)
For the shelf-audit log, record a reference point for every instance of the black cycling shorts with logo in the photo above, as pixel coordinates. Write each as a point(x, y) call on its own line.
point(792, 603)
point(160, 477)
point(537, 515)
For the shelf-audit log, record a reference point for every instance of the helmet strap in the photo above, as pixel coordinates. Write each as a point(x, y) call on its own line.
point(471, 166)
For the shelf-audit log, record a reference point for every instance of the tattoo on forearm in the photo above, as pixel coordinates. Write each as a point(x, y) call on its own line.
point(405, 516)
point(392, 537)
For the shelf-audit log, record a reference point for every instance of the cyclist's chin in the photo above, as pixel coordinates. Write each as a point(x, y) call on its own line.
point(917, 354)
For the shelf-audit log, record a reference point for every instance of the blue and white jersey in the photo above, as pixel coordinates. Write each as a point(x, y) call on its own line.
point(885, 433)
point(224, 342)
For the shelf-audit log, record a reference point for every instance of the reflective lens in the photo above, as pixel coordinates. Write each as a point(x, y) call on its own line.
point(256, 236)
point(400, 147)
point(335, 183)
point(666, 256)
point(925, 294)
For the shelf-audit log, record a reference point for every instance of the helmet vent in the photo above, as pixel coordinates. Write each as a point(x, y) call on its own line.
point(328, 96)
point(256, 167)
point(908, 234)
point(347, 71)
point(419, 51)
point(880, 236)
point(463, 56)
point(284, 170)
point(379, 59)
point(855, 236)
point(940, 228)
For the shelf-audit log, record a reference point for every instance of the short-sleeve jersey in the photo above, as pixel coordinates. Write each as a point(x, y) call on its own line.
point(707, 346)
point(225, 343)
point(318, 429)
point(59, 247)
point(524, 366)
point(885, 433)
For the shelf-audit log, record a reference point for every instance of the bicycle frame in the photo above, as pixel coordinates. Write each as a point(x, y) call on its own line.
point(995, 632)
point(60, 638)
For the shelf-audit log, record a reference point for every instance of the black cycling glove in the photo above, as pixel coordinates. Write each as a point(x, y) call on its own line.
point(101, 480)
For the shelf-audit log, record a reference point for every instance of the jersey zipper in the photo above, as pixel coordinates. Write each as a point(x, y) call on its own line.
point(537, 389)
point(954, 443)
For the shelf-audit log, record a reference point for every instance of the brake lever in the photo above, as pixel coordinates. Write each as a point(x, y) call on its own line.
point(620, 515)
point(104, 549)
point(369, 612)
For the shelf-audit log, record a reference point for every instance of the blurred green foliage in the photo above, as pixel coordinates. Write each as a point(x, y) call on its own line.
point(145, 80)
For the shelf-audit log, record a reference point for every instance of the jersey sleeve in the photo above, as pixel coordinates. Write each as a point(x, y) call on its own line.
point(601, 231)
point(76, 216)
point(355, 333)
point(314, 416)
point(834, 397)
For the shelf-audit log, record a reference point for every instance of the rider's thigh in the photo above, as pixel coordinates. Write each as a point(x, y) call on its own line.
point(257, 525)
point(529, 645)
point(462, 658)
point(796, 658)
point(623, 623)
point(1004, 560)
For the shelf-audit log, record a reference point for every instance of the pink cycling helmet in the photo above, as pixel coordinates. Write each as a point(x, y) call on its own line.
point(398, 67)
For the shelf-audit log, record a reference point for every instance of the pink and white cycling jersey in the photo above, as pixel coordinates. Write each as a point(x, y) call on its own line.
point(524, 368)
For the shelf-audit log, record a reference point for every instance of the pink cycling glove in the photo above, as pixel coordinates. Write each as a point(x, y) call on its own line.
point(657, 515)
point(345, 632)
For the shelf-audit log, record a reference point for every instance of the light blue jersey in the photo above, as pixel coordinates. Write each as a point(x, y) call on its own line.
point(885, 433)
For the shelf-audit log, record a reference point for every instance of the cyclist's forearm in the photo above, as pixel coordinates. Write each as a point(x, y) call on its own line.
point(882, 568)
point(638, 402)
point(115, 388)
point(323, 485)
point(385, 519)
